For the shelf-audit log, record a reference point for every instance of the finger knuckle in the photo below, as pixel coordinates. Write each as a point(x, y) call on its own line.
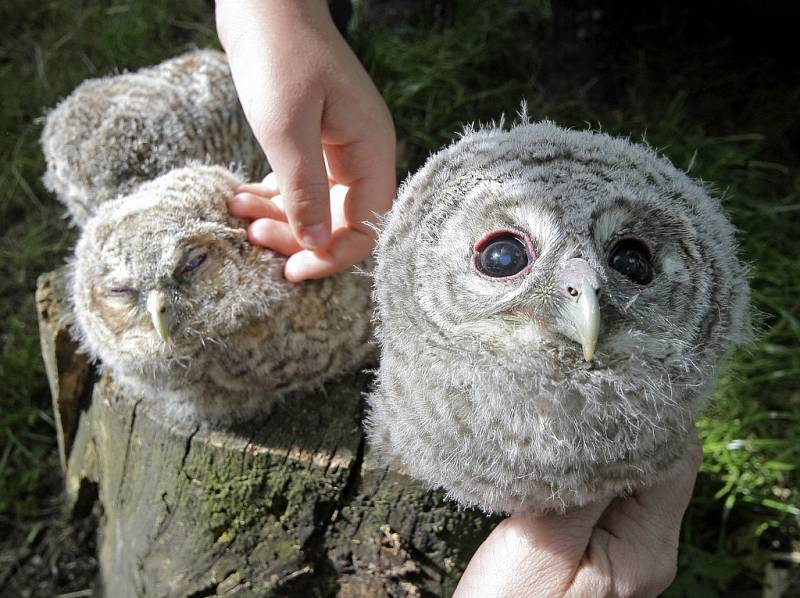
point(273, 120)
point(268, 129)
point(664, 576)
point(306, 202)
point(650, 581)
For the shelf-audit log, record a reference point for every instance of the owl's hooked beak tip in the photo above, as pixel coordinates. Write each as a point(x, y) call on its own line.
point(580, 318)
point(158, 307)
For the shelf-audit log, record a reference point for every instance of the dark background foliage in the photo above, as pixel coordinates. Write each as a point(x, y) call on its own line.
point(714, 86)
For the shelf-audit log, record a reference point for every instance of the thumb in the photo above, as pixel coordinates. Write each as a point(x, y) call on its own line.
point(531, 554)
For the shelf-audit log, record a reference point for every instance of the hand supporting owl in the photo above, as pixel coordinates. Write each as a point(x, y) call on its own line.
point(619, 547)
point(311, 105)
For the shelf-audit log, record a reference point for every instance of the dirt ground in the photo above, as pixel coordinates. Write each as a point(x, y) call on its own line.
point(51, 556)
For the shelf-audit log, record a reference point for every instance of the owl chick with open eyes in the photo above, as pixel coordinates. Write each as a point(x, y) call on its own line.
point(552, 308)
point(181, 309)
point(113, 133)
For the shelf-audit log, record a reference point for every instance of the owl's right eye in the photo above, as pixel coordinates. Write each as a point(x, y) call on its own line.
point(121, 291)
point(502, 255)
point(119, 295)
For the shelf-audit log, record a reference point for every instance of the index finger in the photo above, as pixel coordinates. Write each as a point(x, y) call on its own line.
point(367, 168)
point(295, 154)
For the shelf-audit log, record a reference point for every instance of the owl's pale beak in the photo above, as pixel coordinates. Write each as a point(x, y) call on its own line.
point(160, 313)
point(579, 317)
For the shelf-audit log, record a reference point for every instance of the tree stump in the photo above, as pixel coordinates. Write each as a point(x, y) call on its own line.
point(294, 505)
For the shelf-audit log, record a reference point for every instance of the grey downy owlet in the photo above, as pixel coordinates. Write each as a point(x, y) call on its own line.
point(171, 298)
point(113, 133)
point(552, 306)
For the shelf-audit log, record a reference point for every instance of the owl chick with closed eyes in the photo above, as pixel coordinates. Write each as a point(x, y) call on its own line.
point(552, 307)
point(171, 298)
point(113, 133)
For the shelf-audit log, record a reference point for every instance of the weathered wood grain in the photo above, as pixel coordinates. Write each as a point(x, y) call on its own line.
point(68, 371)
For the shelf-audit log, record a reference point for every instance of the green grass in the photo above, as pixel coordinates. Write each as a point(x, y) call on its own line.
point(437, 80)
point(46, 49)
point(475, 66)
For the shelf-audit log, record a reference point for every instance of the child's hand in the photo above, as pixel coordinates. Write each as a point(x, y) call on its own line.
point(622, 547)
point(265, 206)
point(310, 102)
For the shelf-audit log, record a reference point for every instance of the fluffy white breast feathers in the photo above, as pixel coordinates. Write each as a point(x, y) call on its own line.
point(552, 308)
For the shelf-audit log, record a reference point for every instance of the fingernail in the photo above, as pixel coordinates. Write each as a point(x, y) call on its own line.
point(236, 205)
point(257, 232)
point(238, 197)
point(291, 272)
point(316, 236)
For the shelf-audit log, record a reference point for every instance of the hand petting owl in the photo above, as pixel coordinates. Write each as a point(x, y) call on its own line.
point(553, 307)
point(171, 298)
point(114, 133)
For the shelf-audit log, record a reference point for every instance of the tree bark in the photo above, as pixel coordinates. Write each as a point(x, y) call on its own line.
point(293, 505)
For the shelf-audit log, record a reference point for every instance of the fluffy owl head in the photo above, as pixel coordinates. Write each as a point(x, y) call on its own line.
point(113, 133)
point(161, 275)
point(552, 308)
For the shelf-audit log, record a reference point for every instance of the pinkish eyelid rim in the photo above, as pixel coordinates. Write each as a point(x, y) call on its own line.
point(486, 239)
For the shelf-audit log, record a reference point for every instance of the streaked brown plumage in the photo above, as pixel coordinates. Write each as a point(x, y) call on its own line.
point(171, 298)
point(114, 133)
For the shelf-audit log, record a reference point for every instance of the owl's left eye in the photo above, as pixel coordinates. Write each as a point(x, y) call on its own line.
point(193, 263)
point(631, 258)
point(501, 255)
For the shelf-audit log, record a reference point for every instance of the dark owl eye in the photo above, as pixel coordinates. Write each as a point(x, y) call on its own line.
point(631, 258)
point(193, 263)
point(502, 256)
